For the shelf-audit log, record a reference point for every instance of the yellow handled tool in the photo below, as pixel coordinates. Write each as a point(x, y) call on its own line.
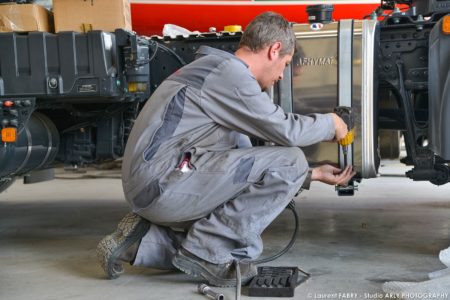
point(347, 116)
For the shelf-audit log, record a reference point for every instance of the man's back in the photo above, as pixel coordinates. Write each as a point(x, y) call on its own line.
point(174, 119)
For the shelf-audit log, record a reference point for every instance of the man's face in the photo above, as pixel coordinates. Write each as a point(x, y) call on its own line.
point(274, 70)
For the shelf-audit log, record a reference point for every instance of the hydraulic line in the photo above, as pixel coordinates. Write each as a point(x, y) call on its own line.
point(290, 206)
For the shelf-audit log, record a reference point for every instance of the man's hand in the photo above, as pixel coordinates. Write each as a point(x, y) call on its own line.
point(332, 175)
point(340, 127)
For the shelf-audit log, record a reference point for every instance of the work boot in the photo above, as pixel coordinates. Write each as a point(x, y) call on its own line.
point(222, 275)
point(122, 245)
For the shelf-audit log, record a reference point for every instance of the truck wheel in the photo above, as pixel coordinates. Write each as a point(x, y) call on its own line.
point(389, 143)
point(6, 183)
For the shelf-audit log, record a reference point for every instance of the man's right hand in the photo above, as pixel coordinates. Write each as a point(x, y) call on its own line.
point(340, 127)
point(331, 175)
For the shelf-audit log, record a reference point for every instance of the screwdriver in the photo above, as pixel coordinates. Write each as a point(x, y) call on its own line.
point(346, 114)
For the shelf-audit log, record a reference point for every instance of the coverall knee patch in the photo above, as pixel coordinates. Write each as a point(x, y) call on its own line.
point(147, 195)
point(243, 170)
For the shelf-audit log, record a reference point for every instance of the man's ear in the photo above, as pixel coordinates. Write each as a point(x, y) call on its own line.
point(274, 51)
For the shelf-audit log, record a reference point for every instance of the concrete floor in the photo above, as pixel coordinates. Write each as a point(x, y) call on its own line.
point(392, 229)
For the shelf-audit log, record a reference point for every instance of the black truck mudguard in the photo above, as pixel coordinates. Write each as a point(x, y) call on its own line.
point(439, 91)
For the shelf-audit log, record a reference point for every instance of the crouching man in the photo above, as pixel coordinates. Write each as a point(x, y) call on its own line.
point(189, 163)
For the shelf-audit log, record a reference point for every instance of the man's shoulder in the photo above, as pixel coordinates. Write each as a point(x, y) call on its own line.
point(225, 67)
point(207, 53)
point(207, 50)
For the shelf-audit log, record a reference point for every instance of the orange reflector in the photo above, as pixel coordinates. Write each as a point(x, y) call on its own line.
point(446, 25)
point(9, 135)
point(8, 103)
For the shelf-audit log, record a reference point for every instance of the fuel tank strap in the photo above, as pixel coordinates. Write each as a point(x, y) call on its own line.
point(345, 74)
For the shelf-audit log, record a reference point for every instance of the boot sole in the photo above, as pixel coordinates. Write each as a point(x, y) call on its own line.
point(110, 247)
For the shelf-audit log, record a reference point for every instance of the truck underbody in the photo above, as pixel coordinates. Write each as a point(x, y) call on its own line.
point(73, 97)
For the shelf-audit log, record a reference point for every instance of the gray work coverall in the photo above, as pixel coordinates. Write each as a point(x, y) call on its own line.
point(231, 194)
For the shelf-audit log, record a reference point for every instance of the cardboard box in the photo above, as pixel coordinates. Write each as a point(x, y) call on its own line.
point(24, 17)
point(86, 15)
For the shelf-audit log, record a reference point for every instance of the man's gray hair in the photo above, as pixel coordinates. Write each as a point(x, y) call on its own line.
point(267, 29)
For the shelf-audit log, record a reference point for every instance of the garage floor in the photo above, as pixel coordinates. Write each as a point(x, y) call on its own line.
point(392, 230)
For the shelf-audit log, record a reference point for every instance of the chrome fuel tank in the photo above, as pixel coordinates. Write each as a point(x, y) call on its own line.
point(334, 66)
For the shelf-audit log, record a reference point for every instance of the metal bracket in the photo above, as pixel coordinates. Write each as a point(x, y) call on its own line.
point(345, 78)
point(39, 176)
point(348, 190)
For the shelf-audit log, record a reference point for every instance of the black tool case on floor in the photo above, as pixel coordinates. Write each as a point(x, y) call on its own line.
point(275, 282)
